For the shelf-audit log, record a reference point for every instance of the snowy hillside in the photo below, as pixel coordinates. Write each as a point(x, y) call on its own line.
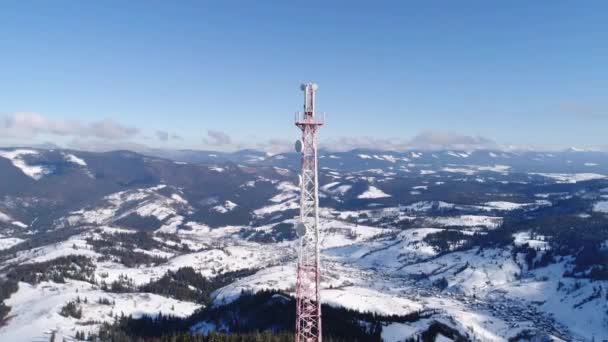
point(478, 246)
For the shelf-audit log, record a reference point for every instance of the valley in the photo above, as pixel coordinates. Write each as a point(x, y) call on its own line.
point(479, 242)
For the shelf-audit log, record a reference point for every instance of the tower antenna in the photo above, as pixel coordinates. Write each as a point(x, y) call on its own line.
point(308, 299)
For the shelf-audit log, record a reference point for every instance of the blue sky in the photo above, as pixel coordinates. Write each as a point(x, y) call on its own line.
point(226, 74)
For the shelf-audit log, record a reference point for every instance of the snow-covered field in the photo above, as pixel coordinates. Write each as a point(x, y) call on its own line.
point(376, 258)
point(35, 310)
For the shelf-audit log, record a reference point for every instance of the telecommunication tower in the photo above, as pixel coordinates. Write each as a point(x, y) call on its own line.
point(308, 299)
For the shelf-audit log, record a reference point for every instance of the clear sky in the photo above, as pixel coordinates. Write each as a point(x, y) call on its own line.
point(226, 74)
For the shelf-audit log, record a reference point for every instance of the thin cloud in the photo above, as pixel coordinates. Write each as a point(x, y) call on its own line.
point(217, 139)
point(436, 140)
point(162, 135)
point(166, 136)
point(342, 144)
point(100, 145)
point(430, 140)
point(274, 146)
point(28, 125)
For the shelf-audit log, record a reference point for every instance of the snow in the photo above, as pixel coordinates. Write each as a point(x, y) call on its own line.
point(283, 196)
point(571, 177)
point(16, 157)
point(543, 288)
point(226, 207)
point(601, 207)
point(503, 205)
point(19, 224)
point(56, 250)
point(389, 158)
point(287, 186)
point(442, 338)
point(368, 300)
point(495, 168)
point(489, 222)
point(328, 185)
point(179, 198)
point(366, 268)
point(336, 188)
point(157, 210)
point(467, 172)
point(35, 309)
point(423, 206)
point(196, 228)
point(9, 242)
point(171, 225)
point(525, 238)
point(408, 246)
point(4, 217)
point(282, 172)
point(291, 204)
point(364, 156)
point(397, 332)
point(143, 202)
point(373, 192)
point(73, 159)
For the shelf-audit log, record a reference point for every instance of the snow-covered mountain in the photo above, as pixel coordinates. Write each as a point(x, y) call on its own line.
point(486, 245)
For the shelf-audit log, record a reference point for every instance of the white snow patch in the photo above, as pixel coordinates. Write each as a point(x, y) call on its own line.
point(373, 192)
point(389, 158)
point(490, 222)
point(335, 188)
point(571, 177)
point(467, 172)
point(503, 205)
point(35, 310)
point(495, 168)
point(19, 224)
point(4, 217)
point(525, 237)
point(16, 157)
point(601, 207)
point(226, 207)
point(73, 159)
point(179, 198)
point(9, 242)
point(427, 205)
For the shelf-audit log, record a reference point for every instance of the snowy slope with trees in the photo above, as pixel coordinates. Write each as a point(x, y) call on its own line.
point(474, 251)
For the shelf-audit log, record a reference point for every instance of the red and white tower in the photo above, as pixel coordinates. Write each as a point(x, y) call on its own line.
point(308, 310)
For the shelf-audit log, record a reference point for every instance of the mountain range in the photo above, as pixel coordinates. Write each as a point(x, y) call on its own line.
point(443, 245)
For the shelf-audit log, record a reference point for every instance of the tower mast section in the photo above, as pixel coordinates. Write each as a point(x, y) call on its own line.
point(308, 299)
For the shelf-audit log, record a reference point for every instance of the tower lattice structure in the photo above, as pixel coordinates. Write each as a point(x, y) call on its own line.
point(308, 299)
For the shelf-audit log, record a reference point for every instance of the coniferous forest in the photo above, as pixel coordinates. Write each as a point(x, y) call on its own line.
point(265, 316)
